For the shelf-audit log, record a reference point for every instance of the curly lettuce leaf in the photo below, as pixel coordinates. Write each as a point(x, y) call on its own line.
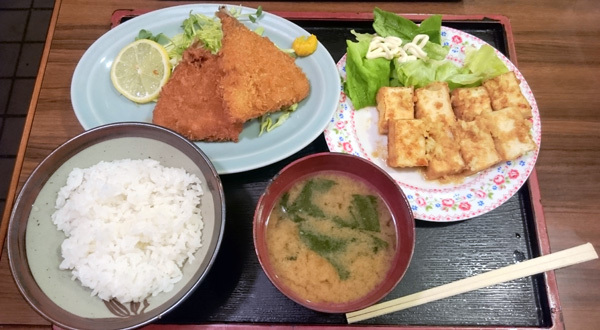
point(484, 62)
point(432, 26)
point(363, 37)
point(435, 51)
point(364, 77)
point(415, 73)
point(479, 65)
point(420, 73)
point(389, 24)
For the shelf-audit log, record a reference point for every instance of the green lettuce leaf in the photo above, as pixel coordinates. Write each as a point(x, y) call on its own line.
point(360, 37)
point(463, 80)
point(389, 24)
point(415, 73)
point(432, 26)
point(435, 51)
point(364, 77)
point(484, 62)
point(421, 73)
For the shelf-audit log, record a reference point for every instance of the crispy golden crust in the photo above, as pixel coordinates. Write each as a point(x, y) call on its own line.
point(189, 103)
point(510, 131)
point(476, 146)
point(432, 103)
point(443, 152)
point(468, 103)
point(258, 78)
point(394, 103)
point(406, 143)
point(505, 92)
point(459, 133)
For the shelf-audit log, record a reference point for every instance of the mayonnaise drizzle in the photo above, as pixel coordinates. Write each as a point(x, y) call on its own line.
point(388, 47)
point(391, 47)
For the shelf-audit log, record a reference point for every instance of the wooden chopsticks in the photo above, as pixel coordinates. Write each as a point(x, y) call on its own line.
point(533, 266)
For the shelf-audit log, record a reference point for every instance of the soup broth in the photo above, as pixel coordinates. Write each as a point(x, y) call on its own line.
point(331, 238)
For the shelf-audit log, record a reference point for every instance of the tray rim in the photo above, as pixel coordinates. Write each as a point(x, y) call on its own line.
point(543, 243)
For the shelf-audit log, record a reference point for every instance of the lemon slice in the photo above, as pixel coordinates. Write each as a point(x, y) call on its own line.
point(140, 70)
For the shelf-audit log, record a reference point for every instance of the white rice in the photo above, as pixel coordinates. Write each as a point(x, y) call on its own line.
point(130, 226)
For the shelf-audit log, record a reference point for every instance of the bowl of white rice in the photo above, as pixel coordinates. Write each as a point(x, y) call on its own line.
point(116, 227)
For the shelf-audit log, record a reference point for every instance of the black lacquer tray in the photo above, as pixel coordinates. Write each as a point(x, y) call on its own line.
point(237, 292)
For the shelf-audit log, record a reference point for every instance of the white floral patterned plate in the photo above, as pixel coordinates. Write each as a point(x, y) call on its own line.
point(355, 132)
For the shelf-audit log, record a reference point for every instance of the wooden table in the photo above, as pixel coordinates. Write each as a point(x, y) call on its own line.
point(557, 47)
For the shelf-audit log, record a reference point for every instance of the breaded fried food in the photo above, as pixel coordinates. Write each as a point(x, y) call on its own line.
point(510, 131)
point(443, 152)
point(394, 103)
point(476, 146)
point(258, 78)
point(432, 103)
point(406, 143)
point(505, 92)
point(468, 103)
point(189, 103)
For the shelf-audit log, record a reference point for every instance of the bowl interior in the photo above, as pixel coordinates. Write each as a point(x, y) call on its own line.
point(361, 170)
point(34, 241)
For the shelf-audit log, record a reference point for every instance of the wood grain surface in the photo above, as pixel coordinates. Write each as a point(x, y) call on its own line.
point(558, 52)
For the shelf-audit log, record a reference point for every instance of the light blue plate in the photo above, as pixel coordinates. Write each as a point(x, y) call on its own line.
point(96, 102)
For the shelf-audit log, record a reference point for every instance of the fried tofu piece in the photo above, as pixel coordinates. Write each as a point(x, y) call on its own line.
point(406, 143)
point(505, 92)
point(443, 152)
point(394, 103)
point(258, 77)
point(468, 103)
point(189, 103)
point(476, 146)
point(510, 131)
point(432, 103)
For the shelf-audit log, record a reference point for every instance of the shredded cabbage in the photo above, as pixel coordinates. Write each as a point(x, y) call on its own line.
point(197, 28)
point(268, 123)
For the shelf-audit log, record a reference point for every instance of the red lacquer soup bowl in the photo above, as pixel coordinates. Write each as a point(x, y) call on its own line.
point(355, 168)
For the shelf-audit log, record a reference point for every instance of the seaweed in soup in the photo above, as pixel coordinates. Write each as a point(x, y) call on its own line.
point(343, 222)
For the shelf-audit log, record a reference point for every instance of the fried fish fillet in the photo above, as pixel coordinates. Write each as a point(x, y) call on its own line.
point(190, 104)
point(258, 78)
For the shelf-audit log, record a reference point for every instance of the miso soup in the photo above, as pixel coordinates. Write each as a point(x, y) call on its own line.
point(331, 238)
